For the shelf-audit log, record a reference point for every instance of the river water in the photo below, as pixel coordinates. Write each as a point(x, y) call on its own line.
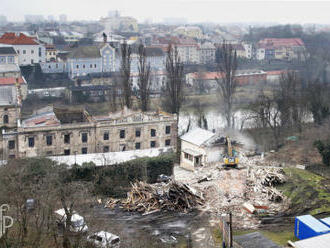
point(158, 230)
point(215, 120)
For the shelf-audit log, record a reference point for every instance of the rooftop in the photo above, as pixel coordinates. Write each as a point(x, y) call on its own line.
point(14, 39)
point(254, 240)
point(280, 42)
point(11, 80)
point(85, 52)
point(313, 223)
point(9, 68)
point(43, 119)
point(197, 136)
point(214, 75)
point(7, 50)
point(50, 116)
point(321, 241)
point(91, 87)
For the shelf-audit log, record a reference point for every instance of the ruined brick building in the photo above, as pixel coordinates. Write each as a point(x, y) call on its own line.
point(57, 131)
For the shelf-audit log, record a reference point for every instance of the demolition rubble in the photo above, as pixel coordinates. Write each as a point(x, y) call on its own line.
point(248, 191)
point(148, 198)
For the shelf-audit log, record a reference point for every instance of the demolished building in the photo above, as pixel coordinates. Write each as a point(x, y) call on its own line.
point(200, 147)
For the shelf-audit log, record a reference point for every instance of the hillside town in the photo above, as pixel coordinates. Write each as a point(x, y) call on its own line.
point(117, 132)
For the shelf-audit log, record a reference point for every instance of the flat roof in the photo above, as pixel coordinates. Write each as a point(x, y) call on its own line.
point(321, 241)
point(313, 223)
point(326, 221)
point(9, 68)
point(254, 240)
point(197, 136)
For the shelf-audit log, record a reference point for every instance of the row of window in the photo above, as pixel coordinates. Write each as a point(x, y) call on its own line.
point(32, 51)
point(153, 132)
point(122, 147)
point(11, 145)
point(49, 66)
point(84, 66)
point(84, 136)
point(10, 59)
point(49, 139)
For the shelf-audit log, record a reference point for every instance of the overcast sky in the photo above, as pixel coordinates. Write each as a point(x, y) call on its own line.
point(217, 11)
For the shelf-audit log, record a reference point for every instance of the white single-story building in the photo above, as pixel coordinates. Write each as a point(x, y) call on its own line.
point(200, 147)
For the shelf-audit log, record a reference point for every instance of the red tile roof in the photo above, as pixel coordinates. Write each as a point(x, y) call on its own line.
point(11, 81)
point(13, 39)
point(275, 72)
point(280, 42)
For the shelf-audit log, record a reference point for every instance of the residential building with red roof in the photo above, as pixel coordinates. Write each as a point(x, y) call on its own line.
point(243, 77)
point(280, 48)
point(19, 83)
point(29, 50)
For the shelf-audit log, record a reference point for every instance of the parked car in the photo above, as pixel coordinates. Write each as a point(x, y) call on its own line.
point(78, 223)
point(104, 239)
point(30, 204)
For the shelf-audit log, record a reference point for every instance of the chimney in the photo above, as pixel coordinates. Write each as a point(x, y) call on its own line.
point(105, 37)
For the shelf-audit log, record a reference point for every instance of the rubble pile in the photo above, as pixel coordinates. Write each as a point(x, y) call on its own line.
point(147, 198)
point(263, 180)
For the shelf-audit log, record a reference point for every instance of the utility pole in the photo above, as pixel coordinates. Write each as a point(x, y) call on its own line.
point(230, 231)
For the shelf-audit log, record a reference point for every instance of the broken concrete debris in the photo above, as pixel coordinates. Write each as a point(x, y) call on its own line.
point(263, 180)
point(249, 207)
point(148, 198)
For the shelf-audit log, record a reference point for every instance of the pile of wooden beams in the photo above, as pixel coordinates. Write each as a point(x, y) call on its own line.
point(147, 198)
point(264, 179)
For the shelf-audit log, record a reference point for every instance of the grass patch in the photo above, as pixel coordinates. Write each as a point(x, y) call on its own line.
point(308, 192)
point(280, 236)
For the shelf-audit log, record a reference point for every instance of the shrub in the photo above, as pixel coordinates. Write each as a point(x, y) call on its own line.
point(324, 149)
point(115, 180)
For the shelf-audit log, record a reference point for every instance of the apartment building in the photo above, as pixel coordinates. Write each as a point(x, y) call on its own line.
point(280, 48)
point(207, 53)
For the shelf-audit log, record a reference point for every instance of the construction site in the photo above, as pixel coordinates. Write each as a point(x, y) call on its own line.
point(254, 191)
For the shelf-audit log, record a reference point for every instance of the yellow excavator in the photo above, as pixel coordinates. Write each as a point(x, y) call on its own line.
point(230, 159)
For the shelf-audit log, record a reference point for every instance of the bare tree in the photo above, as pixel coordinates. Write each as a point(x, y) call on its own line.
point(200, 113)
point(201, 86)
point(291, 100)
point(144, 79)
point(227, 84)
point(266, 113)
point(114, 94)
point(125, 71)
point(173, 95)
